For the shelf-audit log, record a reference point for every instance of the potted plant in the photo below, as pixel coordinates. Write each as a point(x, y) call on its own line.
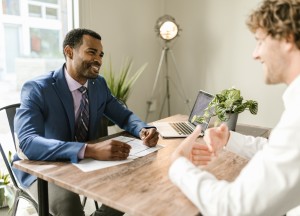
point(7, 192)
point(4, 181)
point(226, 106)
point(120, 84)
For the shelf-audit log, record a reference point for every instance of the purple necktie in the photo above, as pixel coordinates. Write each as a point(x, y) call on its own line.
point(82, 123)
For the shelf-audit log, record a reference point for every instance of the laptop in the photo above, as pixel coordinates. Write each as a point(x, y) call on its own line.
point(183, 129)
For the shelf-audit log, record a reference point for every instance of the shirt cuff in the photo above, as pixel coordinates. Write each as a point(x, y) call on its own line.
point(81, 152)
point(234, 141)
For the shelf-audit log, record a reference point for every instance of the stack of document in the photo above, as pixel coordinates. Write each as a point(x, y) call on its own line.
point(138, 149)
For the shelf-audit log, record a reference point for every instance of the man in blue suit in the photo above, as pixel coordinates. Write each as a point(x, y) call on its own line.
point(50, 110)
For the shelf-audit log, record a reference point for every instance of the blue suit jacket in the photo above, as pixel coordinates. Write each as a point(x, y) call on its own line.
point(45, 121)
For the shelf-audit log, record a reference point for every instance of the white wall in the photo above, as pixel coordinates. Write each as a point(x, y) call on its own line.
point(127, 30)
point(213, 52)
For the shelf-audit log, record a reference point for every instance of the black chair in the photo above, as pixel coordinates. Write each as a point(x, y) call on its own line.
point(20, 192)
point(10, 113)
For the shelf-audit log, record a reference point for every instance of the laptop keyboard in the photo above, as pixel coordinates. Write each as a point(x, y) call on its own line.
point(182, 128)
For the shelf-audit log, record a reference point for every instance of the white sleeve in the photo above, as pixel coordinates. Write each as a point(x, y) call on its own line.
point(245, 146)
point(268, 185)
point(192, 180)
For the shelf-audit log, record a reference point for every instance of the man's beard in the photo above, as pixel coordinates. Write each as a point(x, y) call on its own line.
point(88, 70)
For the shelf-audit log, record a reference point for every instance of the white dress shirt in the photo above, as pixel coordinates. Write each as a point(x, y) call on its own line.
point(268, 185)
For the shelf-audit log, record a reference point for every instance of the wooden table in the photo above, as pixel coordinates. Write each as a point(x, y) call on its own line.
point(141, 187)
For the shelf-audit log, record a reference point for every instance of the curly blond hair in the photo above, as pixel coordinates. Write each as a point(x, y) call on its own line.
point(279, 18)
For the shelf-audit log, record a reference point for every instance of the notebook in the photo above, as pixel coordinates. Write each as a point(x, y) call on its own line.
point(183, 129)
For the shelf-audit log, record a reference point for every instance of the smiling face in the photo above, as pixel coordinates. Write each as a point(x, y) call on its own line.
point(273, 56)
point(85, 60)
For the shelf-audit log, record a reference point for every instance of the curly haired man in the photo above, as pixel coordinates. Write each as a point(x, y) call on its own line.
point(270, 183)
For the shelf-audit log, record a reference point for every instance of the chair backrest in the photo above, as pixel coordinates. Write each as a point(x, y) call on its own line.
point(10, 113)
point(20, 192)
point(8, 167)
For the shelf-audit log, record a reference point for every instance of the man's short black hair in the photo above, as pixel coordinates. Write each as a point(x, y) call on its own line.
point(74, 37)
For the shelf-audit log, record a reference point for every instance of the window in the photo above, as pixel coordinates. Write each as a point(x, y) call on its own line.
point(35, 10)
point(31, 35)
point(45, 43)
point(11, 7)
point(47, 1)
point(43, 9)
point(51, 13)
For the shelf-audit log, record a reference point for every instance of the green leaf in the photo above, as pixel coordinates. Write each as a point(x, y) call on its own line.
point(199, 119)
point(4, 178)
point(253, 106)
point(9, 156)
point(228, 101)
point(120, 84)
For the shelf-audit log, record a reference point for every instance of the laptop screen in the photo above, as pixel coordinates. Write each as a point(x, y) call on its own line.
point(201, 103)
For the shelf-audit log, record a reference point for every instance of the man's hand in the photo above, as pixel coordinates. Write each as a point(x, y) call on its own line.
point(216, 138)
point(149, 136)
point(107, 150)
point(201, 154)
point(197, 152)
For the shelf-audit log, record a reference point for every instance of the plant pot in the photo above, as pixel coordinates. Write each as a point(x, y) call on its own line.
point(3, 201)
point(7, 196)
point(232, 120)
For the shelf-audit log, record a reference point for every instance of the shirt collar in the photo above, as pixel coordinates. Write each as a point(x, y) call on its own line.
point(292, 92)
point(73, 84)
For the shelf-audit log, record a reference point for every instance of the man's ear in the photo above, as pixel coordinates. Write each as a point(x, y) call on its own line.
point(290, 38)
point(289, 43)
point(68, 52)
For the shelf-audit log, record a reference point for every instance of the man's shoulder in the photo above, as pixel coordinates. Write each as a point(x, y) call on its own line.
point(47, 78)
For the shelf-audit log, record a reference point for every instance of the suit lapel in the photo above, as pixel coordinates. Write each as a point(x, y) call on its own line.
point(61, 87)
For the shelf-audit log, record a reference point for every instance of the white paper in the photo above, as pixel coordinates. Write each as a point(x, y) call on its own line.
point(87, 165)
point(138, 149)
